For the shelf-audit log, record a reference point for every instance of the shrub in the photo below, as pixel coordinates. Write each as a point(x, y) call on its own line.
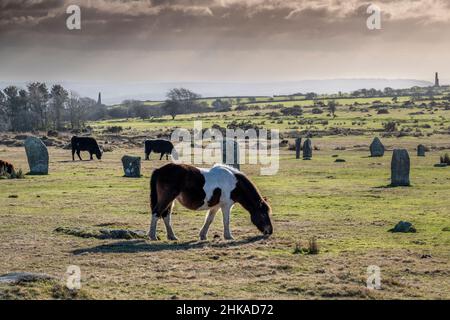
point(292, 111)
point(313, 247)
point(114, 129)
point(244, 125)
point(390, 126)
point(298, 249)
point(15, 175)
point(52, 133)
point(445, 159)
point(316, 111)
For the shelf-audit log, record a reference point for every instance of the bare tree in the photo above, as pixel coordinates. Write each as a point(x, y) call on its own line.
point(15, 107)
point(332, 107)
point(3, 114)
point(38, 96)
point(77, 108)
point(136, 108)
point(221, 105)
point(59, 98)
point(182, 94)
point(38, 109)
point(142, 111)
point(172, 108)
point(181, 100)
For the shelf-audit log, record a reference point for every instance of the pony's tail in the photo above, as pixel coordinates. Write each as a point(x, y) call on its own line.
point(153, 191)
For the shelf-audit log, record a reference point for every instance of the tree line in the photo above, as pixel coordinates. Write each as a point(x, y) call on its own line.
point(38, 107)
point(178, 101)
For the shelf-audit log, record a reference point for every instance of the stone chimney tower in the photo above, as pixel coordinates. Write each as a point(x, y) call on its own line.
point(436, 80)
point(99, 101)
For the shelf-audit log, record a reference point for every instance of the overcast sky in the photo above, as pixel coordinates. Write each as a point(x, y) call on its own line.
point(223, 40)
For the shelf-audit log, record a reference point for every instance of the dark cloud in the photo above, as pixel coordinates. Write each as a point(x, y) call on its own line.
point(202, 27)
point(176, 24)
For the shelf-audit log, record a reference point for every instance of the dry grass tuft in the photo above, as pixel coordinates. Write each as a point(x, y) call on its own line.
point(15, 175)
point(313, 247)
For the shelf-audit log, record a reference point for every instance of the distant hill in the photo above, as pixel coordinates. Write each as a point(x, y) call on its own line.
point(115, 92)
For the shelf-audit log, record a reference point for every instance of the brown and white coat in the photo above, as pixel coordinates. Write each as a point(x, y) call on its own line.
point(205, 189)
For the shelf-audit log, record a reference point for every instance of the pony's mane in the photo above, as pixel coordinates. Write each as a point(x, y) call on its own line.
point(247, 187)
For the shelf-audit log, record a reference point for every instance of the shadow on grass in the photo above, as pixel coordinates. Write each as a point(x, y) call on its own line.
point(72, 161)
point(390, 186)
point(371, 157)
point(135, 246)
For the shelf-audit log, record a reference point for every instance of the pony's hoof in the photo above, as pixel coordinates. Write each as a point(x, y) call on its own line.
point(229, 238)
point(172, 238)
point(153, 238)
point(203, 238)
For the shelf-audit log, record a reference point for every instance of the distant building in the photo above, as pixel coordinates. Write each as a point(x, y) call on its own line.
point(436, 80)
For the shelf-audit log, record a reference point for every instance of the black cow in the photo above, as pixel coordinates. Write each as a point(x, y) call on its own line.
point(163, 147)
point(85, 144)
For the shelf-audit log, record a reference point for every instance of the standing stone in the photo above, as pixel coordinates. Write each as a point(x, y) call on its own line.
point(298, 147)
point(37, 155)
point(376, 148)
point(230, 153)
point(400, 167)
point(307, 150)
point(131, 166)
point(421, 150)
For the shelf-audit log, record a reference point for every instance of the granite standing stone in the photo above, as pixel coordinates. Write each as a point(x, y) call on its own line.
point(131, 166)
point(403, 226)
point(400, 167)
point(230, 153)
point(376, 148)
point(421, 150)
point(298, 147)
point(307, 149)
point(21, 277)
point(37, 155)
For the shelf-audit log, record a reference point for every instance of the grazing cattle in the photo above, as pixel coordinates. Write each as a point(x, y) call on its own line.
point(85, 144)
point(163, 147)
point(6, 167)
point(205, 189)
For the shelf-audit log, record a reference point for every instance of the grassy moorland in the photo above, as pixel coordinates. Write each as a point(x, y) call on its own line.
point(417, 119)
point(346, 206)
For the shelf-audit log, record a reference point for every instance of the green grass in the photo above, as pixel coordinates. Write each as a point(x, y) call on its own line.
point(346, 206)
point(436, 120)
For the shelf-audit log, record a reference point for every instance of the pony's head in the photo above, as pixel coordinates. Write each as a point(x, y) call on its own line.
point(260, 217)
point(247, 195)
